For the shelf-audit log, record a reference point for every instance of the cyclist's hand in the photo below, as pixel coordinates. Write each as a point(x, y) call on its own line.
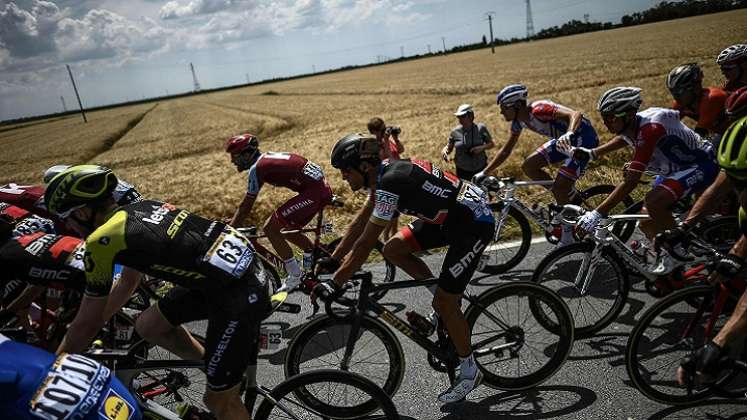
point(478, 178)
point(326, 290)
point(727, 268)
point(670, 238)
point(583, 153)
point(702, 366)
point(589, 221)
point(326, 265)
point(564, 144)
point(445, 154)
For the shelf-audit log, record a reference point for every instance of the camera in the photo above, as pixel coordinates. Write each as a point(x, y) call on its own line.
point(393, 131)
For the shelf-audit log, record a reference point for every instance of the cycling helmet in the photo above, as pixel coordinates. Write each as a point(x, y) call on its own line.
point(732, 150)
point(353, 149)
point(243, 143)
point(736, 103)
point(53, 171)
point(619, 99)
point(684, 77)
point(732, 53)
point(78, 186)
point(512, 94)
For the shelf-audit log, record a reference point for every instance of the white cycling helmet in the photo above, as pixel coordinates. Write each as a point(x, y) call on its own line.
point(619, 99)
point(684, 77)
point(732, 53)
point(53, 171)
point(512, 94)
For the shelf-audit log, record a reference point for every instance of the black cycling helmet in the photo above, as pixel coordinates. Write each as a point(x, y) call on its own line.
point(684, 77)
point(78, 186)
point(353, 149)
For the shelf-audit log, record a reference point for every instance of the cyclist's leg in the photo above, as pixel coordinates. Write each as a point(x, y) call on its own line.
point(416, 236)
point(544, 156)
point(161, 324)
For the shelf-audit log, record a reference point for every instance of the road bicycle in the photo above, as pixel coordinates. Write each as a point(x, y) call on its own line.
point(513, 350)
point(592, 276)
point(512, 217)
point(273, 264)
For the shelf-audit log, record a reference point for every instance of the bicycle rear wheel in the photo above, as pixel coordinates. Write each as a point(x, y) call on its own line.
point(327, 394)
point(510, 243)
point(667, 332)
point(513, 349)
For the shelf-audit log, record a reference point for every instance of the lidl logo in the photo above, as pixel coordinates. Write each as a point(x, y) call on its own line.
point(115, 407)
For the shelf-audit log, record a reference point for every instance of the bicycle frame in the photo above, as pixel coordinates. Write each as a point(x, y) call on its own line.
point(506, 196)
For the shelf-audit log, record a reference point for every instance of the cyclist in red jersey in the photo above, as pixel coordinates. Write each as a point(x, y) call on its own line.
point(704, 105)
point(281, 170)
point(733, 63)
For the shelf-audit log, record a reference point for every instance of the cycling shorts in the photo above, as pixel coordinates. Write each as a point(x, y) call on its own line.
point(234, 311)
point(571, 168)
point(691, 180)
point(299, 210)
point(466, 240)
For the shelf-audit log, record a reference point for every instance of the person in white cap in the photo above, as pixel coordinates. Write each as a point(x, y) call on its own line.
point(471, 140)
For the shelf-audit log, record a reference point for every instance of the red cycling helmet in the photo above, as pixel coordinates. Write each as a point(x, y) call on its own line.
point(736, 103)
point(244, 150)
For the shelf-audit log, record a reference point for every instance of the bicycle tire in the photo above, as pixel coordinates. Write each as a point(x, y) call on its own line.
point(300, 387)
point(389, 274)
point(644, 335)
point(606, 294)
point(305, 352)
point(481, 318)
point(498, 256)
point(623, 230)
point(722, 232)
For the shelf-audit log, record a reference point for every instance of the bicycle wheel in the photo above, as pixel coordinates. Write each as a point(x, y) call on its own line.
point(512, 348)
point(383, 274)
point(722, 232)
point(592, 197)
point(327, 394)
point(510, 243)
point(321, 344)
point(667, 332)
point(606, 291)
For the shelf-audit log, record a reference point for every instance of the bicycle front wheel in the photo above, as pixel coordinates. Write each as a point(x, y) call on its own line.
point(513, 349)
point(667, 332)
point(381, 274)
point(322, 343)
point(510, 243)
point(592, 197)
point(327, 394)
point(595, 296)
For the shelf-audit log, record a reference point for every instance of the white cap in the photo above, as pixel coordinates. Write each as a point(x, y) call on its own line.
point(463, 109)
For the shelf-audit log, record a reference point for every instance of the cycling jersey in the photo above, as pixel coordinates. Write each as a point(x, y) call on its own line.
point(543, 120)
point(451, 212)
point(35, 384)
point(26, 222)
point(710, 115)
point(733, 86)
point(44, 259)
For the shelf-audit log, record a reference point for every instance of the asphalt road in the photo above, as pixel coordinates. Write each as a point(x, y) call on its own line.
point(593, 383)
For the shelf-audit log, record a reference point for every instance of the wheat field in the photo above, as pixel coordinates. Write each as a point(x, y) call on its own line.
point(172, 150)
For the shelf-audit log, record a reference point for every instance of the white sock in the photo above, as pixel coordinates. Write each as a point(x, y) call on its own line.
point(467, 367)
point(292, 268)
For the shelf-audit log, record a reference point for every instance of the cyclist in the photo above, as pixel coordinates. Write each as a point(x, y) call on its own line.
point(281, 170)
point(35, 384)
point(662, 145)
point(213, 266)
point(704, 105)
point(733, 63)
point(450, 212)
point(552, 120)
point(391, 148)
point(732, 157)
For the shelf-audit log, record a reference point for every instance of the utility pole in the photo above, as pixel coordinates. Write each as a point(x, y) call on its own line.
point(586, 17)
point(194, 78)
point(429, 49)
point(490, 23)
point(64, 107)
point(443, 40)
point(75, 88)
point(530, 21)
point(402, 51)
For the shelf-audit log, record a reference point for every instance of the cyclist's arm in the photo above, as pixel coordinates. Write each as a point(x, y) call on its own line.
point(361, 249)
point(245, 208)
point(122, 290)
point(355, 230)
point(574, 118)
point(503, 154)
point(736, 326)
point(26, 298)
point(400, 146)
point(616, 143)
point(87, 323)
point(630, 182)
point(710, 199)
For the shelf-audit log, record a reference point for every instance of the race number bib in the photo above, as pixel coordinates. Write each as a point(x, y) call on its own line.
point(33, 224)
point(71, 390)
point(475, 199)
point(75, 260)
point(231, 252)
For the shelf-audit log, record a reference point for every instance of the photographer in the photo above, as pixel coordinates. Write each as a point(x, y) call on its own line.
point(388, 137)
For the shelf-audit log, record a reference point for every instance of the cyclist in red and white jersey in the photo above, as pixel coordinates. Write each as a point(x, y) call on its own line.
point(733, 63)
point(704, 105)
point(662, 145)
point(286, 170)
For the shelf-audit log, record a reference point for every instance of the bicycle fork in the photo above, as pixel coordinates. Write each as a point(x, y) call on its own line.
point(588, 265)
point(352, 338)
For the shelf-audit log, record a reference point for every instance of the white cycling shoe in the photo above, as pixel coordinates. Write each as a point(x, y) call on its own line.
point(290, 284)
point(460, 388)
point(665, 264)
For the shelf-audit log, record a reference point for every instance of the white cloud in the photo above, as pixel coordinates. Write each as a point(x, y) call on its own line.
point(28, 32)
point(176, 9)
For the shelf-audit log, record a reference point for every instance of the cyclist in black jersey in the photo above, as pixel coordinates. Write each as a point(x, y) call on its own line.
point(213, 266)
point(451, 212)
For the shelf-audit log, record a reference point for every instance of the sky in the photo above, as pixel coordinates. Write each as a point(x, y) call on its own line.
point(122, 50)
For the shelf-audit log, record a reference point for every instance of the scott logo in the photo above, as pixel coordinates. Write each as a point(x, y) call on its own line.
point(465, 261)
point(436, 190)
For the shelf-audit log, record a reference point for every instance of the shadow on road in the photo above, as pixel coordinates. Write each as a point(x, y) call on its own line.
point(717, 409)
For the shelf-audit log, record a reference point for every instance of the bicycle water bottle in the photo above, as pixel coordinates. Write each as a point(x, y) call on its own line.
point(420, 323)
point(308, 256)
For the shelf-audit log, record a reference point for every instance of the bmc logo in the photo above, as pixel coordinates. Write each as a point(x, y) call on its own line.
point(436, 190)
point(465, 261)
point(49, 274)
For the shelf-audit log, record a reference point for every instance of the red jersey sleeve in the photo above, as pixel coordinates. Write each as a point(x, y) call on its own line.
point(644, 147)
point(544, 111)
